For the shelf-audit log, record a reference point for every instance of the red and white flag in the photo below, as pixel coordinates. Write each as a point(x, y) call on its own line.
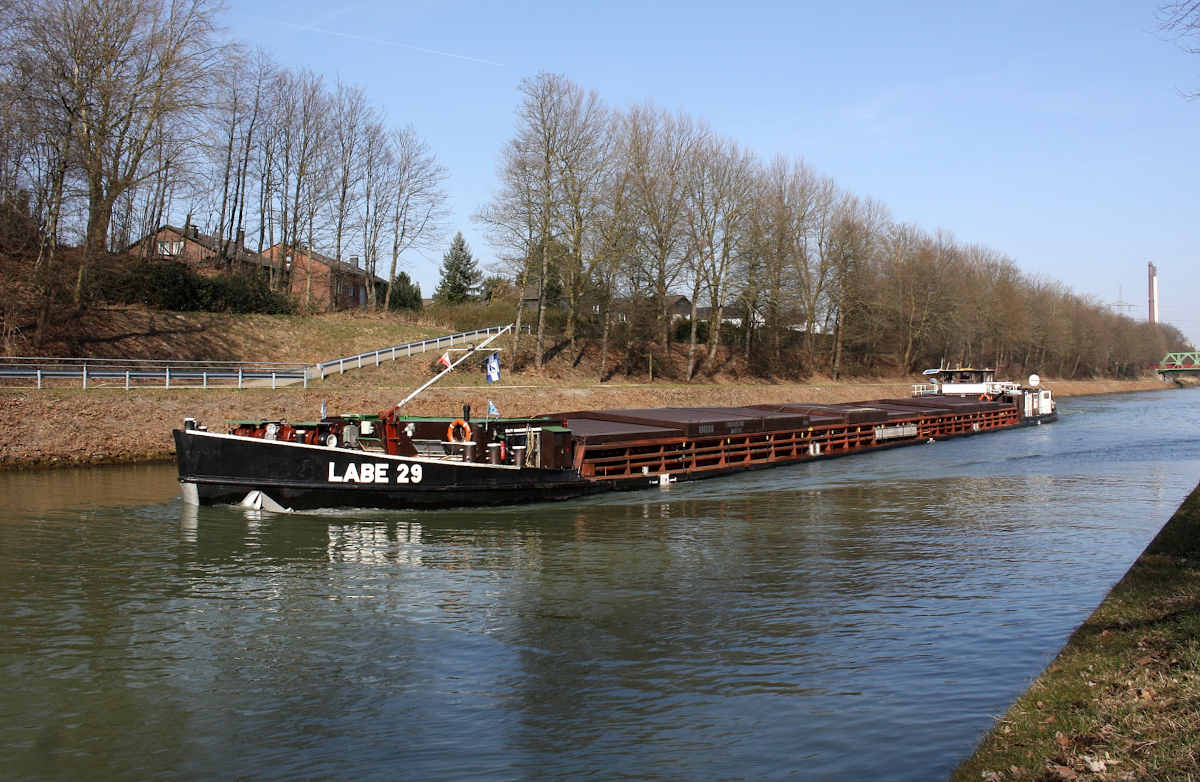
point(445, 359)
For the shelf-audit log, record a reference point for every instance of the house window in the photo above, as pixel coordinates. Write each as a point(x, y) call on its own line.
point(170, 248)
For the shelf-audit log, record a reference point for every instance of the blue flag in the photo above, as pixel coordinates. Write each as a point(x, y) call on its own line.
point(492, 409)
point(492, 368)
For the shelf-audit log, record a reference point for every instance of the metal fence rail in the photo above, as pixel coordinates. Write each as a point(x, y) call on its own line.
point(374, 357)
point(95, 372)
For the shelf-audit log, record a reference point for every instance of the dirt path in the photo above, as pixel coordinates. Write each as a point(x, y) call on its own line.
point(65, 427)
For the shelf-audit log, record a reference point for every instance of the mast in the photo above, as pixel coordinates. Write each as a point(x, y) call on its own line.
point(470, 352)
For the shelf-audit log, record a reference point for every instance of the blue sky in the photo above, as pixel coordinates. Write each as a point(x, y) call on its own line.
point(1053, 132)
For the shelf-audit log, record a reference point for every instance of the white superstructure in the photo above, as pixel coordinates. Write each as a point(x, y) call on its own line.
point(973, 382)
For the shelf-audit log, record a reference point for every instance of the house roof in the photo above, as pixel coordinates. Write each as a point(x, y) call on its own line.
point(208, 242)
point(341, 266)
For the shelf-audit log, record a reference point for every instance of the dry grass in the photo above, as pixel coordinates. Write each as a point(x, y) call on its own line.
point(64, 426)
point(1122, 700)
point(69, 426)
point(203, 336)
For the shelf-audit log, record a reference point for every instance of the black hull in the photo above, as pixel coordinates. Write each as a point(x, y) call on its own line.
point(223, 469)
point(219, 469)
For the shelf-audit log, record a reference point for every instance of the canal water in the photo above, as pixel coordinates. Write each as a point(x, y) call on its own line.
point(860, 618)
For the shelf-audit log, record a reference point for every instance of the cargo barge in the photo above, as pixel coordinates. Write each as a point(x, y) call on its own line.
point(391, 460)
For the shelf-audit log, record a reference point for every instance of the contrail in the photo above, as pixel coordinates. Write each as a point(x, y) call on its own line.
point(369, 40)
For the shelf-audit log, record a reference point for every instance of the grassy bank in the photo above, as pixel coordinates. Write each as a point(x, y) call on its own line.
point(1122, 700)
point(62, 426)
point(129, 333)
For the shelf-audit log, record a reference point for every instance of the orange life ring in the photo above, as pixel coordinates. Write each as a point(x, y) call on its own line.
point(984, 398)
point(465, 431)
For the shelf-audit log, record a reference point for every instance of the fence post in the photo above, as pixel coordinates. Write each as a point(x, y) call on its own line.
point(239, 377)
point(39, 379)
point(168, 376)
point(321, 367)
point(306, 378)
point(205, 376)
point(85, 377)
point(272, 381)
point(126, 379)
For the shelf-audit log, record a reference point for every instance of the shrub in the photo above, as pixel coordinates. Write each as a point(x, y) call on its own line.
point(171, 286)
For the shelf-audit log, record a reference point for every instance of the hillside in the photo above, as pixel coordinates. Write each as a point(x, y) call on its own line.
point(206, 336)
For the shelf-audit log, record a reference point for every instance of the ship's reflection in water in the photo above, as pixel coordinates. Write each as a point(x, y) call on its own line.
point(376, 543)
point(855, 619)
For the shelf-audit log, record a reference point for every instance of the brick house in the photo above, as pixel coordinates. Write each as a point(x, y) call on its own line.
point(201, 251)
point(335, 284)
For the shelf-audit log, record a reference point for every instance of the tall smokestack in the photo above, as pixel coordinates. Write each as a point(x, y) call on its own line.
point(1153, 310)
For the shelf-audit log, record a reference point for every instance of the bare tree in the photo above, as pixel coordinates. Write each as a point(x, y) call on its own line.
point(855, 242)
point(582, 161)
point(235, 118)
point(418, 198)
point(528, 203)
point(301, 161)
point(353, 127)
point(656, 149)
point(720, 193)
point(1181, 20)
point(513, 220)
point(375, 199)
point(121, 67)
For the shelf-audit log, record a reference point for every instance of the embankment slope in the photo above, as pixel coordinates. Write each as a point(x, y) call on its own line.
point(72, 427)
point(1122, 699)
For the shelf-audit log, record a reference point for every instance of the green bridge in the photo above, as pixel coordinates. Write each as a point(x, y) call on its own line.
point(1180, 362)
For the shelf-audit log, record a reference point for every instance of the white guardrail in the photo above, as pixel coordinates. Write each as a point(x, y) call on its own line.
point(109, 373)
point(130, 373)
point(374, 357)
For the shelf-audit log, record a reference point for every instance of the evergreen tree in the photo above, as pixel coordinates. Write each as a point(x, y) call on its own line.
point(460, 275)
point(406, 294)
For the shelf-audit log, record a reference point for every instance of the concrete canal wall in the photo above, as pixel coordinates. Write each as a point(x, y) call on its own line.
point(65, 427)
point(1122, 699)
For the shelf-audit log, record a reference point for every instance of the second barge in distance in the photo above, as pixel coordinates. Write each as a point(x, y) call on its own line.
point(391, 460)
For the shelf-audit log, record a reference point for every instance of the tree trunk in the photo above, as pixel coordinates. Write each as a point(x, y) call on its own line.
point(604, 345)
point(541, 329)
point(837, 346)
point(691, 364)
point(96, 241)
point(517, 325)
point(714, 335)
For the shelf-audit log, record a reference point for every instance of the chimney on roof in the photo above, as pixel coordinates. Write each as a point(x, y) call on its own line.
point(195, 232)
point(241, 238)
point(354, 261)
